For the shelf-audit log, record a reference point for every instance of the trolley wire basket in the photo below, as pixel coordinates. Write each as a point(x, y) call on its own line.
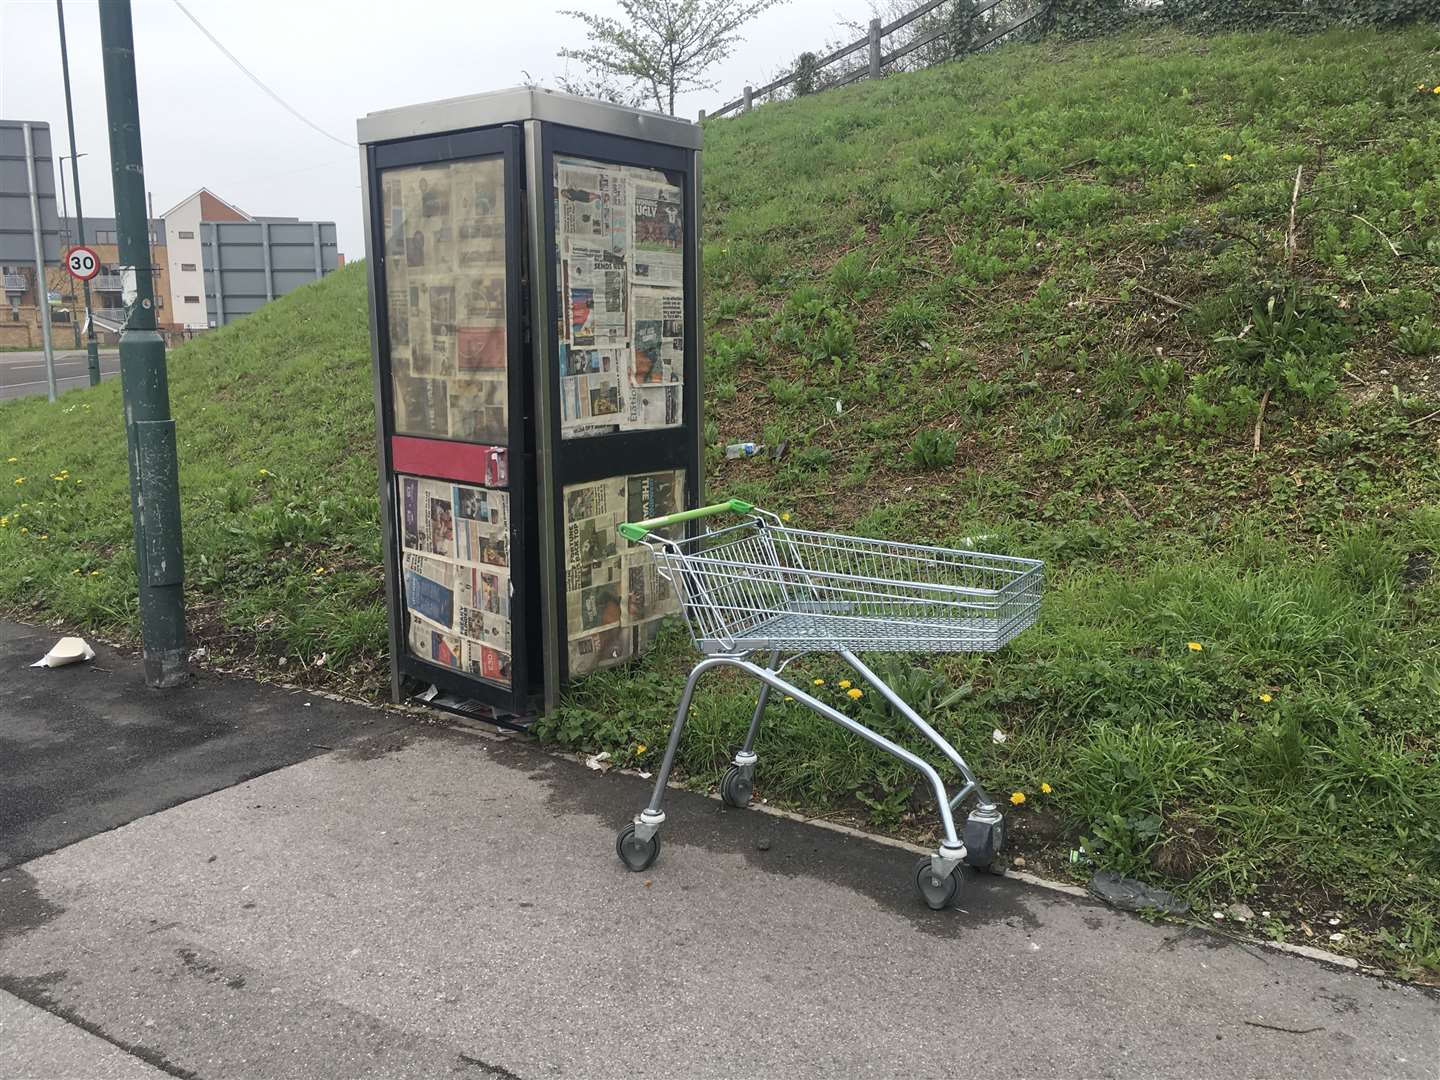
point(760, 586)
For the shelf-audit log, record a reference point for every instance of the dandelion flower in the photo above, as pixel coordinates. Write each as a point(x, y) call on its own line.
point(19, 480)
point(23, 530)
point(855, 694)
point(1194, 646)
point(639, 749)
point(818, 682)
point(844, 684)
point(11, 460)
point(1017, 798)
point(43, 536)
point(1227, 157)
point(94, 573)
point(1266, 698)
point(783, 517)
point(1436, 90)
point(1045, 789)
point(1191, 165)
point(264, 472)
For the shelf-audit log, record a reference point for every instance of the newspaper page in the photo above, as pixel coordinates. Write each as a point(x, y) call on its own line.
point(457, 591)
point(589, 389)
point(446, 299)
point(620, 298)
point(615, 596)
point(595, 280)
point(594, 587)
point(657, 220)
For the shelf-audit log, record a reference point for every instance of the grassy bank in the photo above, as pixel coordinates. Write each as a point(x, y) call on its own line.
point(1050, 297)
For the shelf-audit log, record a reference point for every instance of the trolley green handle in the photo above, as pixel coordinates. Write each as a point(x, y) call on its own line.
point(638, 530)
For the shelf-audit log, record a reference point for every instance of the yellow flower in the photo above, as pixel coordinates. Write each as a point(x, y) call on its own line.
point(1191, 165)
point(1194, 646)
point(819, 682)
point(1045, 789)
point(23, 530)
point(789, 698)
point(639, 749)
point(1226, 157)
point(11, 460)
point(94, 573)
point(856, 694)
point(1266, 698)
point(319, 570)
point(264, 472)
point(844, 684)
point(1436, 90)
point(44, 536)
point(19, 480)
point(1017, 797)
point(783, 517)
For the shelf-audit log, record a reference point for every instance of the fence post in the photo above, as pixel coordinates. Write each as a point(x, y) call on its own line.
point(745, 104)
point(874, 48)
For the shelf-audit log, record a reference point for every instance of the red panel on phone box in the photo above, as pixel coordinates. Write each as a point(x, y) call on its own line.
point(468, 463)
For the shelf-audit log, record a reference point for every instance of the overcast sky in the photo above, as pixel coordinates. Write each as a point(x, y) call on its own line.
point(205, 125)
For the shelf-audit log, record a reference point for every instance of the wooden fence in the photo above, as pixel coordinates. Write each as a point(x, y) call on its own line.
point(878, 59)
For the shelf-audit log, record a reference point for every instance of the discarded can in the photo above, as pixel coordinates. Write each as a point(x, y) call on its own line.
point(742, 450)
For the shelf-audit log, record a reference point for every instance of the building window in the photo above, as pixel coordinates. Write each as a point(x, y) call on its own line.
point(187, 266)
point(185, 234)
point(192, 299)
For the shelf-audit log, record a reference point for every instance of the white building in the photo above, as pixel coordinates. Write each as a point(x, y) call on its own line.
point(183, 247)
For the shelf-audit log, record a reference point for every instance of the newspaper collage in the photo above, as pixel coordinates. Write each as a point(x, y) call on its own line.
point(456, 558)
point(614, 598)
point(446, 299)
point(619, 231)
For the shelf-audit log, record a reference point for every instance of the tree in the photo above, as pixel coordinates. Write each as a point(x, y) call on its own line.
point(663, 46)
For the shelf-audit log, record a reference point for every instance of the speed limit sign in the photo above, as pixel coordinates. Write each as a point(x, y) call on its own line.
point(82, 263)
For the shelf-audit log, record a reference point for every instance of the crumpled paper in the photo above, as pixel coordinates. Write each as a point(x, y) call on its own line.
point(68, 650)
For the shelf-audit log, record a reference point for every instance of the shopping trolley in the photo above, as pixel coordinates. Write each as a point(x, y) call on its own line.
point(762, 587)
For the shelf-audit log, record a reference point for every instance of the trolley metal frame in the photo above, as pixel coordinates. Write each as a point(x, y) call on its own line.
point(760, 586)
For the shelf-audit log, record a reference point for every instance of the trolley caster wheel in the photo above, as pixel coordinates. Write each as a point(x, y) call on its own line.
point(736, 787)
point(938, 893)
point(636, 854)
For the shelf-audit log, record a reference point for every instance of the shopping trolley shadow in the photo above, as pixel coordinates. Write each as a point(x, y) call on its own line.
point(760, 587)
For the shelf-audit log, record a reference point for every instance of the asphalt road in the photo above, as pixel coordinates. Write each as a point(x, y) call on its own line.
point(428, 903)
point(23, 373)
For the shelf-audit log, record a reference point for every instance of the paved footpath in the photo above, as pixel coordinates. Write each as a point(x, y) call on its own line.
point(426, 903)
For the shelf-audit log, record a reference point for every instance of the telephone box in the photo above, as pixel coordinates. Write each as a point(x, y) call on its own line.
point(535, 322)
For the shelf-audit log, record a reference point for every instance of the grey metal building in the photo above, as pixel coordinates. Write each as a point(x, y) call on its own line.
point(249, 263)
point(24, 295)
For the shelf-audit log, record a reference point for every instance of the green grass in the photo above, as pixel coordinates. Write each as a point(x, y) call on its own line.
point(274, 419)
point(1051, 290)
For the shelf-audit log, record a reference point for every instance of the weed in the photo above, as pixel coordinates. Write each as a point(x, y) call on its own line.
point(1419, 338)
point(932, 449)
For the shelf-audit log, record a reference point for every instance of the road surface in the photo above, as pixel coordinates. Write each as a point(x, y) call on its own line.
point(23, 373)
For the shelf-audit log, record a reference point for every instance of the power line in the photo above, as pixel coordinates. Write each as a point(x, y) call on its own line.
point(256, 80)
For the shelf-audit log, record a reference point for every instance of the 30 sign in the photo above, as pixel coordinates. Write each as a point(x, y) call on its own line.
point(82, 263)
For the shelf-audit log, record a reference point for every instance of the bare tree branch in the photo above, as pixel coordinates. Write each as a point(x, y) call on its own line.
point(661, 48)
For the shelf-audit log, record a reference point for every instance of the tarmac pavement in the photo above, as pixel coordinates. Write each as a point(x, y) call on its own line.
point(427, 902)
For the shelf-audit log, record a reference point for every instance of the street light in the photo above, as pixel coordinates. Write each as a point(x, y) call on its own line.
point(65, 221)
point(92, 352)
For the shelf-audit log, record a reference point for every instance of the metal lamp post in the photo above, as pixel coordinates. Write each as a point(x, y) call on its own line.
point(92, 351)
point(65, 228)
